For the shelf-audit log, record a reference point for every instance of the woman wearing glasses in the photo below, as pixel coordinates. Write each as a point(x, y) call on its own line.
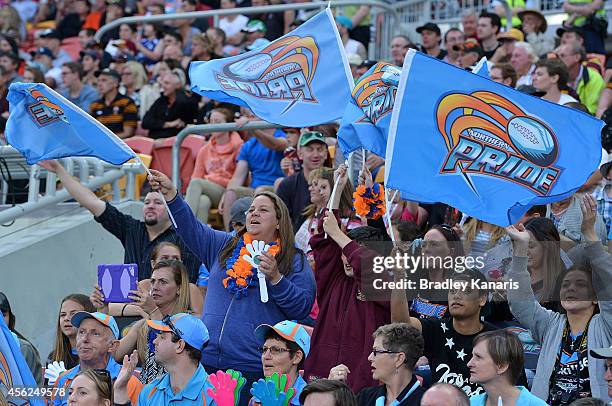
point(92, 387)
point(234, 302)
point(395, 351)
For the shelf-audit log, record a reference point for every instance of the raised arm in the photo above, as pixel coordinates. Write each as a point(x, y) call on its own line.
point(81, 194)
point(202, 240)
point(522, 301)
point(400, 312)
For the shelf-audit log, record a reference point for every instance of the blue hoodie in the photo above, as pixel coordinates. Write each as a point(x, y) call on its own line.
point(231, 321)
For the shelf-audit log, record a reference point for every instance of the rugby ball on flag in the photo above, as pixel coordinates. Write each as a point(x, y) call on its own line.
point(250, 68)
point(532, 139)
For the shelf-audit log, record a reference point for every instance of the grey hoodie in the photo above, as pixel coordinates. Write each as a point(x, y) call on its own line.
point(547, 326)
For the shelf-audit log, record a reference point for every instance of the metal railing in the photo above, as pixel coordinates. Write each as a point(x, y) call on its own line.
point(208, 129)
point(375, 51)
point(92, 172)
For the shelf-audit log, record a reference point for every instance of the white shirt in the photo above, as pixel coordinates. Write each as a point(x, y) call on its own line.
point(566, 98)
point(232, 28)
point(526, 79)
point(355, 47)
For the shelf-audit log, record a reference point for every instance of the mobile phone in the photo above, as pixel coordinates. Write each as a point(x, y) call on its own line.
point(117, 280)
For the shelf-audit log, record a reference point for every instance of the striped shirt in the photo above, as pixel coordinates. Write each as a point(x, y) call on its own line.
point(121, 113)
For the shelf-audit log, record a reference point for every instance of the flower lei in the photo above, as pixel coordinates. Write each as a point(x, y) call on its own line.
point(369, 202)
point(240, 274)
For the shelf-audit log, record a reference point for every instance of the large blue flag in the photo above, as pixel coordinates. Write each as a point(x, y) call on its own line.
point(44, 125)
point(16, 379)
point(482, 147)
point(301, 79)
point(365, 123)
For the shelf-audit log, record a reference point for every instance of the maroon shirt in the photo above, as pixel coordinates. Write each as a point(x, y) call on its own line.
point(343, 333)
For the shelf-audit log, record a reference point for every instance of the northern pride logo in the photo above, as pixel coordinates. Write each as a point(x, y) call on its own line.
point(375, 93)
point(487, 134)
point(281, 71)
point(44, 112)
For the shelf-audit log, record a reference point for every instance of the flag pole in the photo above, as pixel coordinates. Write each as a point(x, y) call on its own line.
point(163, 198)
point(388, 204)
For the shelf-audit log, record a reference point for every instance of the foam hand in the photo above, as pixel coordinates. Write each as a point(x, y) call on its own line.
point(53, 371)
point(256, 248)
point(240, 382)
point(265, 393)
point(282, 386)
point(223, 389)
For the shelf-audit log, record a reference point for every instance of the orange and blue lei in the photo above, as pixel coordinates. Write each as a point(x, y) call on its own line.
point(369, 202)
point(240, 274)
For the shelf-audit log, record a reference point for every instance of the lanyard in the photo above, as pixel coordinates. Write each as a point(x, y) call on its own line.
point(380, 401)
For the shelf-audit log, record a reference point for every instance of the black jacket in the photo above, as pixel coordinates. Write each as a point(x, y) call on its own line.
point(184, 107)
point(368, 396)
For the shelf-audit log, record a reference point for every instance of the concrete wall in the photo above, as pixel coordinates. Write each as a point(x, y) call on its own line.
point(49, 259)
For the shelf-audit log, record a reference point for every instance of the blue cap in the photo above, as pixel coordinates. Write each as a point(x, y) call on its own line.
point(289, 330)
point(108, 321)
point(189, 328)
point(344, 21)
point(44, 51)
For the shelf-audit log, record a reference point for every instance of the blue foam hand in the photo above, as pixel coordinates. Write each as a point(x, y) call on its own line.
point(265, 393)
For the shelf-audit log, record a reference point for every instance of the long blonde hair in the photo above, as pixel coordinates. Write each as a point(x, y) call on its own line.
point(472, 227)
point(139, 73)
point(181, 305)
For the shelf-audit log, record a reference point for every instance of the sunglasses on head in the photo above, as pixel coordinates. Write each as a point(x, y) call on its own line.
point(166, 320)
point(105, 376)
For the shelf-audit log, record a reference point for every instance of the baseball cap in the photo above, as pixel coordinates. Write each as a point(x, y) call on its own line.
point(429, 27)
point(602, 353)
point(563, 30)
point(239, 208)
point(512, 34)
point(289, 330)
point(43, 51)
point(258, 43)
point(50, 33)
point(189, 328)
point(311, 136)
point(108, 72)
point(345, 22)
point(91, 52)
point(254, 26)
point(108, 321)
point(469, 46)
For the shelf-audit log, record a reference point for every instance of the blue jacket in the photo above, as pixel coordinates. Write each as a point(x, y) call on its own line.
point(231, 321)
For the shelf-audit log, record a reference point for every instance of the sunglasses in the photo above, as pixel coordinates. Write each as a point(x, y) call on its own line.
point(448, 228)
point(166, 320)
point(106, 377)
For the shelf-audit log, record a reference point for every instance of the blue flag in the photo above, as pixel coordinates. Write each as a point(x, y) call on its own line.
point(14, 372)
point(365, 123)
point(482, 147)
point(44, 125)
point(301, 79)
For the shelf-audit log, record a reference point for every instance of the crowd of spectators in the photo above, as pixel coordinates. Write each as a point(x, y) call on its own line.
point(547, 342)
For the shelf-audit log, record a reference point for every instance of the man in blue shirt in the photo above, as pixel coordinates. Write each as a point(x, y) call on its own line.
point(96, 341)
point(178, 347)
point(260, 156)
point(76, 91)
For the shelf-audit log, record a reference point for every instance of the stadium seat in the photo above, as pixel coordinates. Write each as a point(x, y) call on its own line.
point(162, 161)
point(194, 143)
point(72, 46)
point(141, 145)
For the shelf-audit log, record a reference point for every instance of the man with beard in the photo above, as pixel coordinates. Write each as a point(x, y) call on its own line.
point(137, 237)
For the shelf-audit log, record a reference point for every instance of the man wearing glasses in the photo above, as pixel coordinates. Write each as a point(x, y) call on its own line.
point(76, 91)
point(96, 341)
point(178, 347)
